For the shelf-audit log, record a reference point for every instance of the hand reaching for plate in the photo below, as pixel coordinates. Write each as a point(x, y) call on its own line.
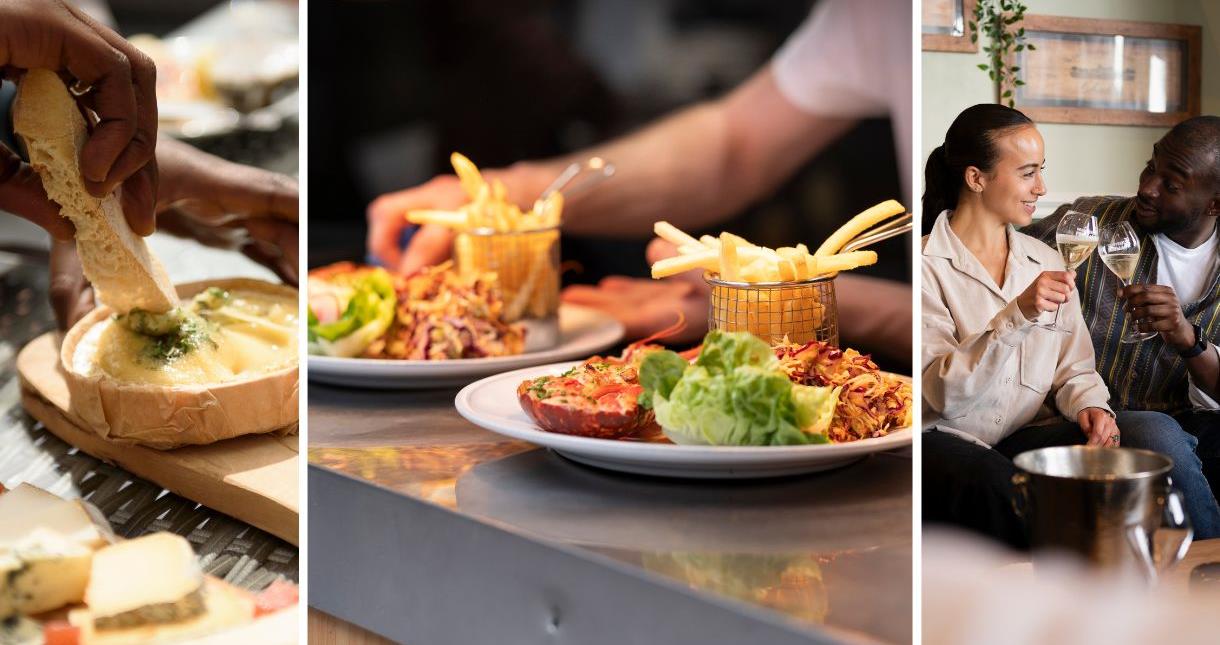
point(646, 306)
point(387, 218)
point(432, 244)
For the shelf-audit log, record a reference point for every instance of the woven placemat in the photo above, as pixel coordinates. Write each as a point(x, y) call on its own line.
point(227, 548)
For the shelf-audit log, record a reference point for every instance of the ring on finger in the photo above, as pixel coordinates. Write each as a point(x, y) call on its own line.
point(80, 88)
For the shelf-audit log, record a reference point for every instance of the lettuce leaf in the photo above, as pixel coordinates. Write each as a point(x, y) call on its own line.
point(659, 372)
point(815, 408)
point(366, 318)
point(735, 394)
point(723, 351)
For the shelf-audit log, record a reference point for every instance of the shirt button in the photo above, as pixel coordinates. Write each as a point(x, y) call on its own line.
point(999, 420)
point(1008, 380)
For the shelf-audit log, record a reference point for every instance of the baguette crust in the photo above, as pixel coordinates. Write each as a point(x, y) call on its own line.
point(124, 273)
point(169, 417)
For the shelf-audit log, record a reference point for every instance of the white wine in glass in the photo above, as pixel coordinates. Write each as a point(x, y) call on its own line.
point(1122, 264)
point(1076, 237)
point(1075, 250)
point(1119, 247)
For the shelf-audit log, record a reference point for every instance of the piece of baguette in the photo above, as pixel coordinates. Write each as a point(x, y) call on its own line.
point(124, 273)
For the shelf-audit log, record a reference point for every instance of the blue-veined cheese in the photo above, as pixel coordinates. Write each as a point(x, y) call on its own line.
point(19, 630)
point(44, 571)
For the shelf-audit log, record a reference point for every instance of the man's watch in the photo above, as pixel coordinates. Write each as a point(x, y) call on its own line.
point(1198, 347)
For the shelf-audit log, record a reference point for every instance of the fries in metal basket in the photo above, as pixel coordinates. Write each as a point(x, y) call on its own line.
point(494, 234)
point(772, 292)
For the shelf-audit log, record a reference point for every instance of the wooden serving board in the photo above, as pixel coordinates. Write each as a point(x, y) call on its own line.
point(280, 628)
point(253, 478)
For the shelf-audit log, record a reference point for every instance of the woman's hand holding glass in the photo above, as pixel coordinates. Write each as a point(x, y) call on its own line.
point(1076, 237)
point(1046, 293)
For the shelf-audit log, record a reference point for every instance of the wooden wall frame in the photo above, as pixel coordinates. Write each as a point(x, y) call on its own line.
point(1180, 96)
point(942, 42)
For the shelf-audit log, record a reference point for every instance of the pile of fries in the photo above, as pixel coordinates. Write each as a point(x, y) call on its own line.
point(734, 259)
point(773, 296)
point(494, 234)
point(489, 209)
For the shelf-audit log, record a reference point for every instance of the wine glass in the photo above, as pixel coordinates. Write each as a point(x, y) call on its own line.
point(1119, 247)
point(1076, 237)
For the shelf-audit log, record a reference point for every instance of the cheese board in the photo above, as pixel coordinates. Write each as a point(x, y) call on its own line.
point(253, 478)
point(66, 578)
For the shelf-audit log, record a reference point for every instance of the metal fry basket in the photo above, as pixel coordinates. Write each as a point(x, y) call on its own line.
point(802, 310)
point(526, 264)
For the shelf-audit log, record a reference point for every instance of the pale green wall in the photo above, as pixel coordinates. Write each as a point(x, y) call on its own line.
point(1081, 159)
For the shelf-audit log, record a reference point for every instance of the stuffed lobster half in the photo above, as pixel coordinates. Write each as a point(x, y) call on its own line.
point(598, 398)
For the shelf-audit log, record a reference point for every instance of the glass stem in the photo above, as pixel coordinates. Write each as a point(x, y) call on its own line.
point(1134, 322)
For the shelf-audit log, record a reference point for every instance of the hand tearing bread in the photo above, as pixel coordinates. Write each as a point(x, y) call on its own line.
point(124, 273)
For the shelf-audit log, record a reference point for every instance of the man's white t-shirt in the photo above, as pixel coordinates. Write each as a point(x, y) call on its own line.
point(852, 58)
point(1189, 272)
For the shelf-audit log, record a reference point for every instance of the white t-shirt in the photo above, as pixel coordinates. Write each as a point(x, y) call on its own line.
point(1189, 272)
point(852, 58)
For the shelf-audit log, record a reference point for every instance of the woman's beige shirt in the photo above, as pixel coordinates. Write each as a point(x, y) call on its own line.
point(987, 370)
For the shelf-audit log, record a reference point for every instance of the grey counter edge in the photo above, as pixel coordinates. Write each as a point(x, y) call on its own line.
point(424, 575)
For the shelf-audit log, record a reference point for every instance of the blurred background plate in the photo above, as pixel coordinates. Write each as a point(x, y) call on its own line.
point(583, 333)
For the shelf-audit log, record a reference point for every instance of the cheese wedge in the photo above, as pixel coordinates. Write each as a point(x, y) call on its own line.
point(224, 608)
point(146, 581)
point(28, 509)
point(124, 273)
point(43, 572)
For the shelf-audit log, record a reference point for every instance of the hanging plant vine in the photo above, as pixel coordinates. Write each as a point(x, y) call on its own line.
point(1000, 20)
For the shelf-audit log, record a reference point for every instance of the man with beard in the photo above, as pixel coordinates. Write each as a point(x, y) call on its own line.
point(1175, 291)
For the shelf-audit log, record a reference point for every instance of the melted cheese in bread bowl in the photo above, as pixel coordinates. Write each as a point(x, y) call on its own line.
point(218, 338)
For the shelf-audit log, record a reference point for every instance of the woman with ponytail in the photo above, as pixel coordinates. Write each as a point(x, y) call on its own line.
point(995, 382)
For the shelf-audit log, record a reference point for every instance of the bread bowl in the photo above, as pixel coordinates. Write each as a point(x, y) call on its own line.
point(189, 407)
point(140, 368)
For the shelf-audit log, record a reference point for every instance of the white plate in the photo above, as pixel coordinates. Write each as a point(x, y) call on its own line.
point(492, 404)
point(583, 333)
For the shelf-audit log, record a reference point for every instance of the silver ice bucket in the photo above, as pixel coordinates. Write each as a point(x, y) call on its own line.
point(1113, 506)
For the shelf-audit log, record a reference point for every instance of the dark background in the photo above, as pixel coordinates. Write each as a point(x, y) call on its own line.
point(156, 17)
point(394, 87)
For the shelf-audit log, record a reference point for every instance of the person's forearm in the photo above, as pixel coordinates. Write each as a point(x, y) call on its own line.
point(669, 170)
point(182, 166)
point(1205, 372)
point(1204, 369)
point(696, 167)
